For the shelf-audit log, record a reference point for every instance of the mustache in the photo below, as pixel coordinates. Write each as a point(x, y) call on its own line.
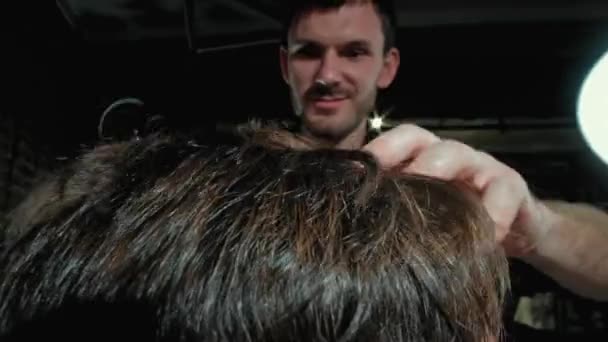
point(321, 89)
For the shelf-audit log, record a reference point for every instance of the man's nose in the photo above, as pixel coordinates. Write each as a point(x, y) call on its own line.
point(329, 67)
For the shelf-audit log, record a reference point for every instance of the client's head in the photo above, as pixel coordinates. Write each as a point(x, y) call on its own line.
point(252, 241)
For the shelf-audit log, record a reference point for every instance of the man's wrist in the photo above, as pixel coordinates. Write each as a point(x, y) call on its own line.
point(571, 248)
point(549, 227)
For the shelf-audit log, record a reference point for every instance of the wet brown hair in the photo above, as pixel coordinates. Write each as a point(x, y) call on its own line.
point(264, 239)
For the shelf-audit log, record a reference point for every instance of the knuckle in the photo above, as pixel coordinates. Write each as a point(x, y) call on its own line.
point(437, 165)
point(486, 159)
point(412, 129)
point(486, 156)
point(407, 128)
point(456, 152)
point(513, 189)
point(509, 186)
point(457, 146)
point(515, 177)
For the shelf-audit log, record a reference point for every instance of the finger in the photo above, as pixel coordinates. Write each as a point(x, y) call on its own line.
point(450, 160)
point(400, 144)
point(503, 199)
point(494, 169)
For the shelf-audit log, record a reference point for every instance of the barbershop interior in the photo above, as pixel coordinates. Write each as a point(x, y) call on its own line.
point(525, 82)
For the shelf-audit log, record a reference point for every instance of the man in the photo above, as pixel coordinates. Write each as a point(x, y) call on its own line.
point(338, 54)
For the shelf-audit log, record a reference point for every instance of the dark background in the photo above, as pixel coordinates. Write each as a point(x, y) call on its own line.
point(475, 59)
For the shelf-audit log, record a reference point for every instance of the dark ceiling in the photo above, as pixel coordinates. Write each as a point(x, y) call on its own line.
point(138, 19)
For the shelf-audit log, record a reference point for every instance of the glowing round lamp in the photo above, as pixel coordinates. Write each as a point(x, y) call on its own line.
point(592, 109)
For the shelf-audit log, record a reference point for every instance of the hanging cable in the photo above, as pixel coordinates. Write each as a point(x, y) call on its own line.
point(189, 23)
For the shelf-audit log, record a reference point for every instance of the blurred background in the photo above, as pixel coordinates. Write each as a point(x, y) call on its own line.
point(503, 76)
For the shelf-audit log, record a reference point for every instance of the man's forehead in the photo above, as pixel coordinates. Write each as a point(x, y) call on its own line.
point(357, 22)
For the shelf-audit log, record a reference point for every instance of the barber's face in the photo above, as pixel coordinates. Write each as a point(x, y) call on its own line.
point(334, 65)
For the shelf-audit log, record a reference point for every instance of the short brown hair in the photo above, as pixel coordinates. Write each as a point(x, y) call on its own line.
point(385, 8)
point(258, 241)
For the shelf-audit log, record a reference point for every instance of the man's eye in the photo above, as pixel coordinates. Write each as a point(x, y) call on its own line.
point(355, 52)
point(308, 52)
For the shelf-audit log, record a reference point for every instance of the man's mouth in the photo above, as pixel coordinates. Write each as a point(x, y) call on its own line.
point(328, 102)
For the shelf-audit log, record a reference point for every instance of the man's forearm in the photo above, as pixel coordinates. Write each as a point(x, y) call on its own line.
point(574, 252)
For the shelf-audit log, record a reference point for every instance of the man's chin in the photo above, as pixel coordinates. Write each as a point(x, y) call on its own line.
point(329, 129)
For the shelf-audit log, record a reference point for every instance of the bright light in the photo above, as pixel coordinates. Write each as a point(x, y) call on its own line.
point(376, 123)
point(592, 111)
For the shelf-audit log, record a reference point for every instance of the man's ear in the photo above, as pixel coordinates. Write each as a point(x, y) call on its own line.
point(390, 66)
point(283, 57)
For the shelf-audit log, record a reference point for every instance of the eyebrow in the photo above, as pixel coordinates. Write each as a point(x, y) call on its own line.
point(298, 43)
point(359, 43)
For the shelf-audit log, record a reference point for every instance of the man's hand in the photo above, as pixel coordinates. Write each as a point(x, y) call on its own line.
point(521, 220)
point(566, 241)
